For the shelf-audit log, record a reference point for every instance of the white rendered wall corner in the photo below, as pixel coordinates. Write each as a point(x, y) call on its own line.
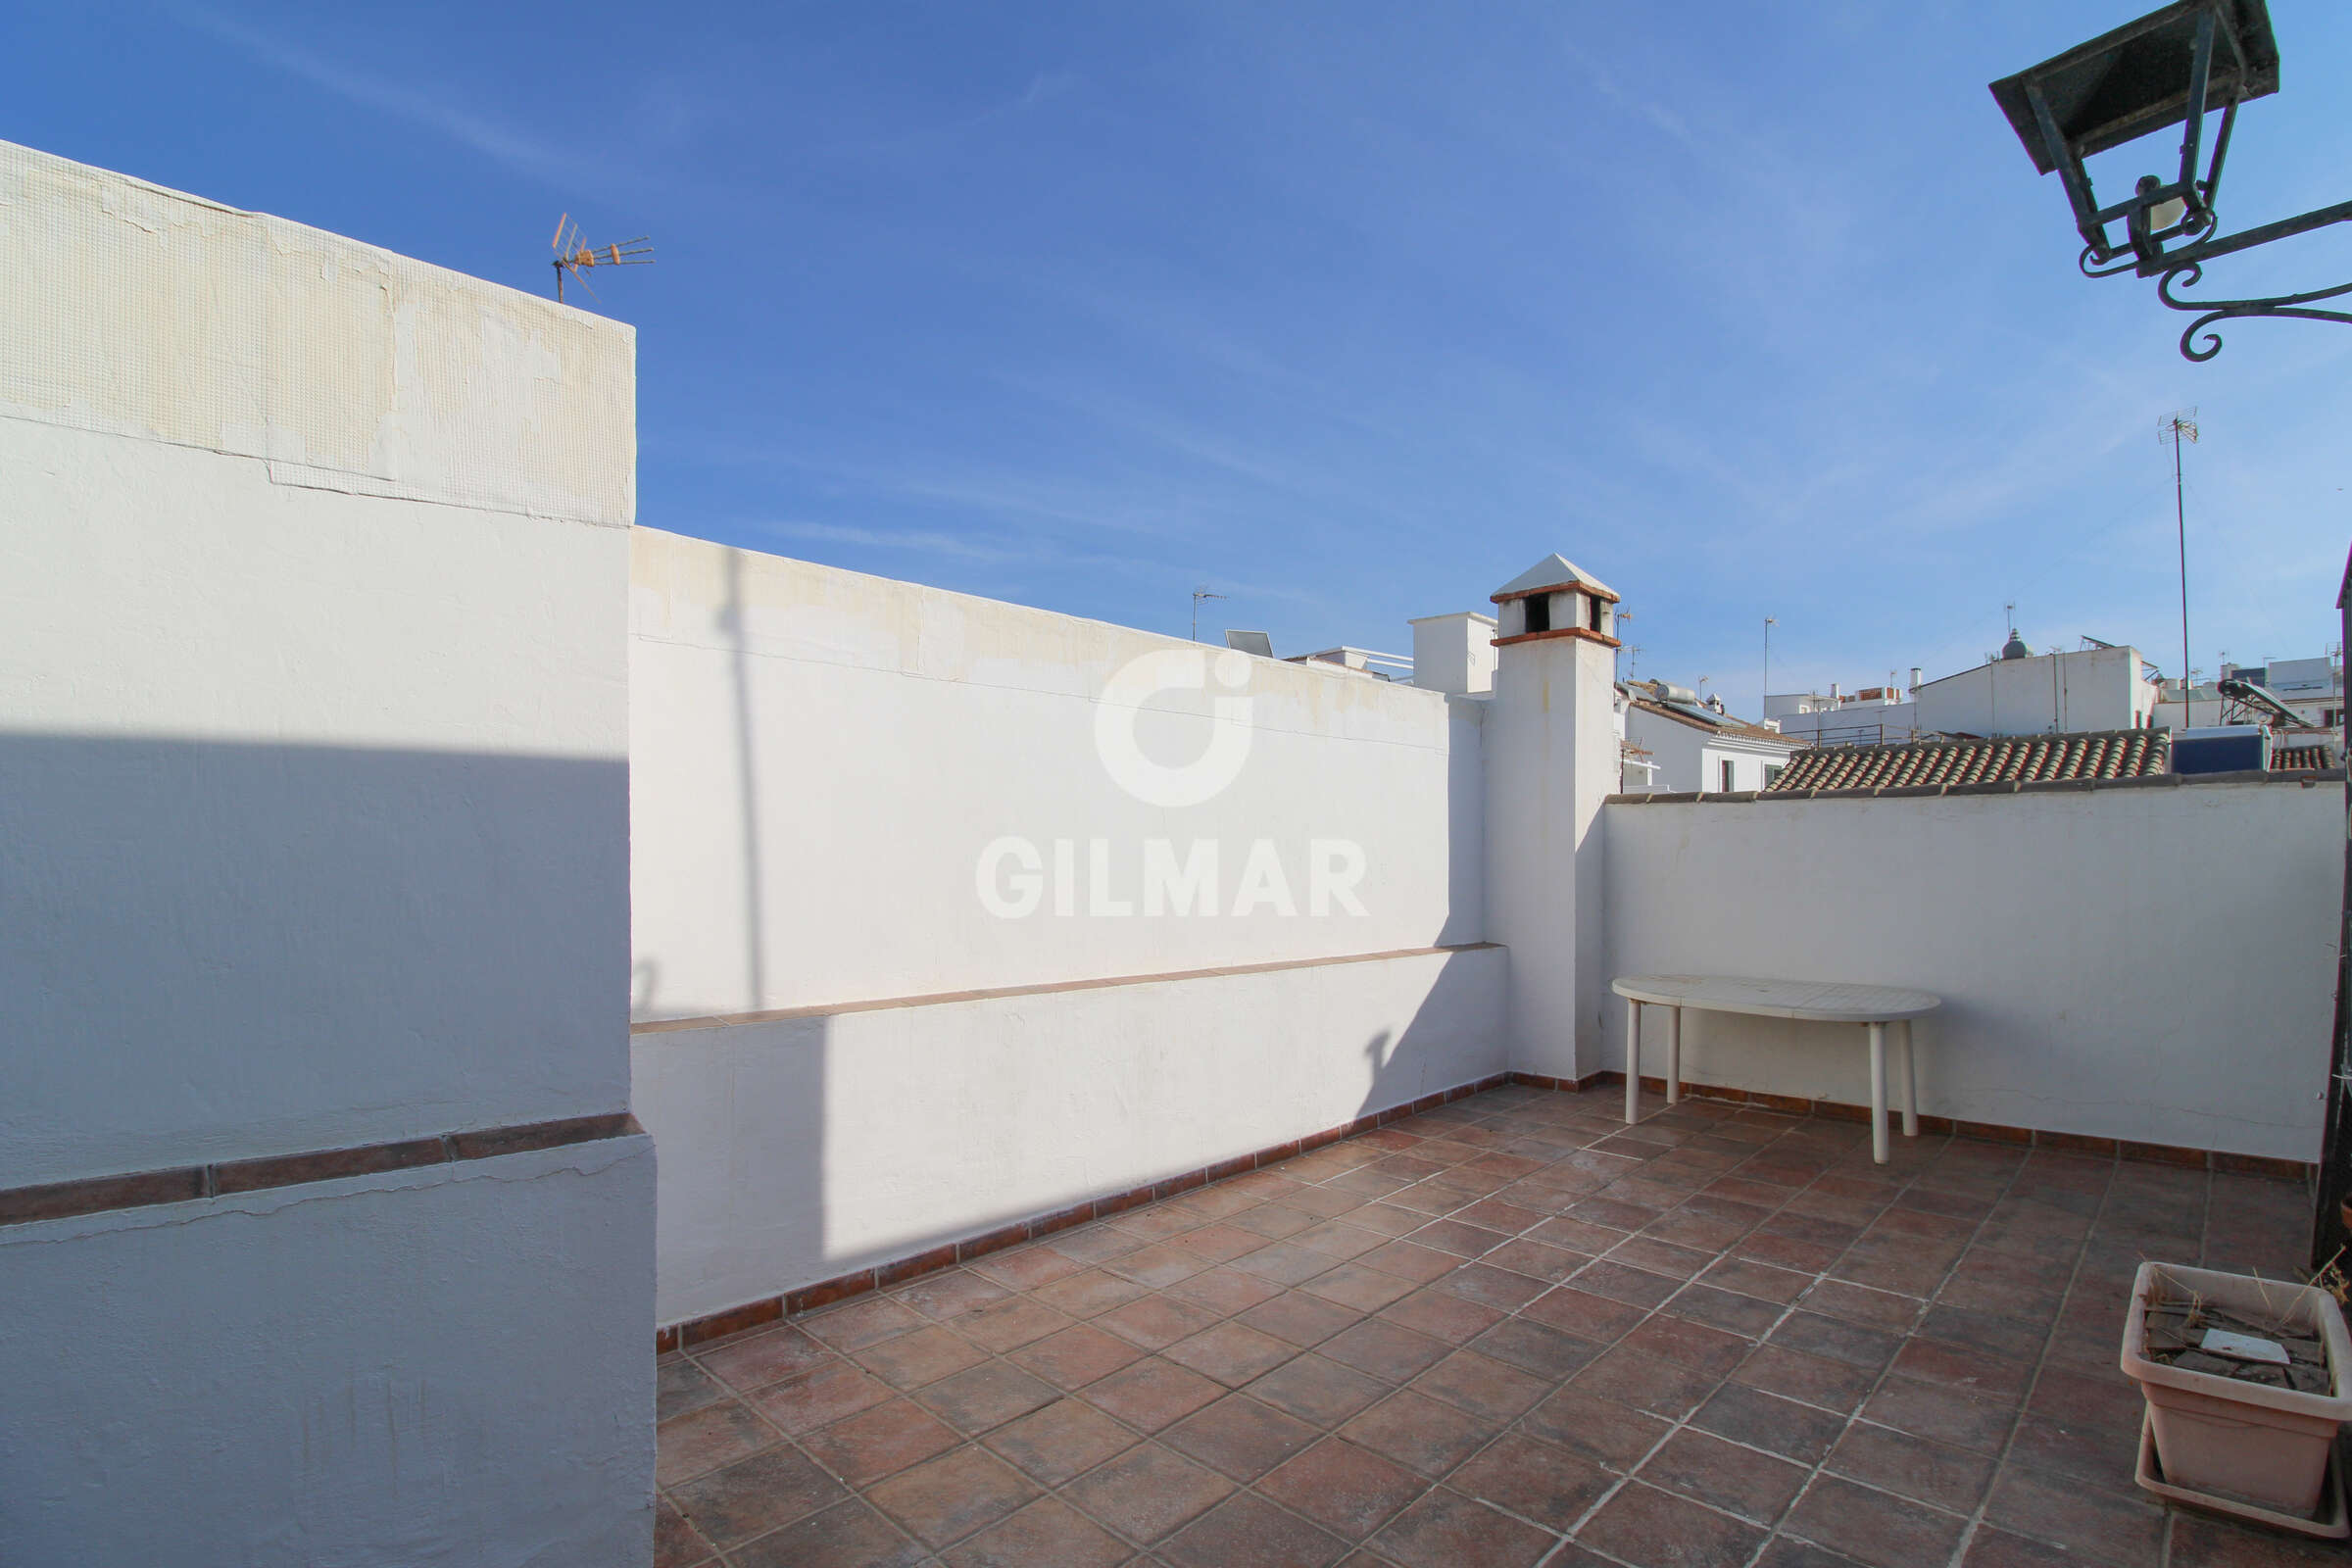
point(313, 836)
point(1551, 758)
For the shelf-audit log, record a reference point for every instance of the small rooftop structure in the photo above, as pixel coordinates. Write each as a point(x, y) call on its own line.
point(2116, 754)
point(1683, 704)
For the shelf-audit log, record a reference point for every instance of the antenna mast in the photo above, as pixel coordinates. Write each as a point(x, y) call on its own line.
point(576, 257)
point(2172, 430)
point(1200, 594)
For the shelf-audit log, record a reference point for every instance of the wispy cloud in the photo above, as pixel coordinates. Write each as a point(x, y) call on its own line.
point(515, 149)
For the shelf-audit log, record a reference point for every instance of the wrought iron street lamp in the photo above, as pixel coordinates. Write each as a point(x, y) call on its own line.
point(2172, 67)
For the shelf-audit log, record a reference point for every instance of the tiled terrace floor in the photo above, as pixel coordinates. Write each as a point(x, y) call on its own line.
point(1508, 1331)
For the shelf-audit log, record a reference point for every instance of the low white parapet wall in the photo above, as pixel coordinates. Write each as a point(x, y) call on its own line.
point(804, 1146)
point(2151, 962)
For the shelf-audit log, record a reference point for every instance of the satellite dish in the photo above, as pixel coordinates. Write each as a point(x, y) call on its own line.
point(1250, 642)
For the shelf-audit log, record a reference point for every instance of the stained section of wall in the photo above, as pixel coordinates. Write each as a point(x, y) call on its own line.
point(137, 310)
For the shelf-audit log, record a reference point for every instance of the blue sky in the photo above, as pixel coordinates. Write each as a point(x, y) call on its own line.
point(1348, 311)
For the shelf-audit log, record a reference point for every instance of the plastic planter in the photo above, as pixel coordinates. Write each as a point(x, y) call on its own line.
point(2217, 1435)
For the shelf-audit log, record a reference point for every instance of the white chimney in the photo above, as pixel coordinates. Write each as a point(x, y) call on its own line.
point(1454, 653)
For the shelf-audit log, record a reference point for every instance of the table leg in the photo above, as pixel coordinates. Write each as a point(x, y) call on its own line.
point(1632, 1061)
point(1910, 1085)
point(1878, 1091)
point(1674, 1055)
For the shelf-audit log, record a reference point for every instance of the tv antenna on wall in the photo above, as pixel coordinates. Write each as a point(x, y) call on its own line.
point(576, 257)
point(1200, 594)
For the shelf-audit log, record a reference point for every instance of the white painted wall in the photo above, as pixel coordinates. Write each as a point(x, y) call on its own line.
point(1454, 653)
point(822, 757)
point(398, 1370)
point(802, 1148)
point(2154, 964)
point(2095, 689)
point(313, 833)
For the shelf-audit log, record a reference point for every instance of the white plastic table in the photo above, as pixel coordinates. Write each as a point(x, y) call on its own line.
point(1815, 1001)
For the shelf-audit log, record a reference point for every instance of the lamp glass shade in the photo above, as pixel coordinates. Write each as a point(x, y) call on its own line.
point(2127, 83)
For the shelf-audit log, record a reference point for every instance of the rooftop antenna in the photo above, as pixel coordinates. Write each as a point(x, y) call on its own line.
point(2171, 430)
point(1764, 694)
point(1200, 594)
point(575, 256)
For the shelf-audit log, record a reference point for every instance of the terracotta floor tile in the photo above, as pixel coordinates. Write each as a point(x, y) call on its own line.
point(1249, 1532)
point(1791, 1374)
point(677, 1544)
point(1462, 1239)
point(1221, 1241)
point(1993, 1547)
point(1490, 1390)
point(1578, 1235)
point(944, 1500)
point(1339, 1239)
point(680, 1386)
point(1162, 1263)
point(1091, 1245)
point(1086, 1293)
point(1317, 1390)
point(910, 1360)
point(1748, 1316)
point(1991, 1377)
point(1836, 1339)
point(1863, 1304)
point(1075, 1357)
point(1153, 1393)
point(1147, 1493)
point(1223, 1291)
point(1298, 1318)
point(1663, 1387)
point(2086, 1455)
point(949, 1293)
point(1230, 1352)
point(1614, 1434)
point(1872, 1527)
point(848, 1535)
point(753, 1362)
point(1384, 1350)
point(706, 1438)
point(818, 1398)
point(1010, 1323)
point(752, 1496)
point(1942, 1413)
point(987, 1396)
point(1409, 1260)
point(1623, 1283)
point(1535, 1480)
point(854, 1325)
point(1239, 1436)
point(1447, 1530)
point(1914, 1467)
point(1491, 1286)
point(1441, 1315)
point(1660, 1258)
point(1348, 1489)
point(1386, 1220)
point(1046, 1534)
point(1712, 1351)
point(1994, 1333)
point(1652, 1529)
point(1760, 1420)
point(1154, 1321)
point(1494, 1214)
point(1760, 1280)
point(1537, 1259)
point(1064, 1439)
point(1361, 1286)
point(1276, 1220)
point(1699, 1465)
point(1536, 1347)
point(1418, 1432)
point(2110, 1527)
point(1591, 1318)
point(1285, 1263)
point(881, 1441)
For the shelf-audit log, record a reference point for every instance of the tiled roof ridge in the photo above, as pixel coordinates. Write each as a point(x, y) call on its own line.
point(2304, 778)
point(1735, 726)
point(2001, 759)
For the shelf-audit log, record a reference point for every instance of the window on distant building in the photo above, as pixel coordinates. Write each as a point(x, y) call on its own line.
point(1538, 611)
point(1727, 776)
point(1771, 774)
point(1593, 604)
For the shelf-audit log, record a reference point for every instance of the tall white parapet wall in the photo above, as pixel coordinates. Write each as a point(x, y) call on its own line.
point(323, 1236)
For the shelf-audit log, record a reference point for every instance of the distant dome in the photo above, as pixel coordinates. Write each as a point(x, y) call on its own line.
point(2015, 648)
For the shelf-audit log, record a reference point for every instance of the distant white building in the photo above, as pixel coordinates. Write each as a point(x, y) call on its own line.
point(1875, 715)
point(1694, 747)
point(2024, 693)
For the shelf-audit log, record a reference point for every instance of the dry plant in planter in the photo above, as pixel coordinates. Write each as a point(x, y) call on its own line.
point(2246, 1382)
